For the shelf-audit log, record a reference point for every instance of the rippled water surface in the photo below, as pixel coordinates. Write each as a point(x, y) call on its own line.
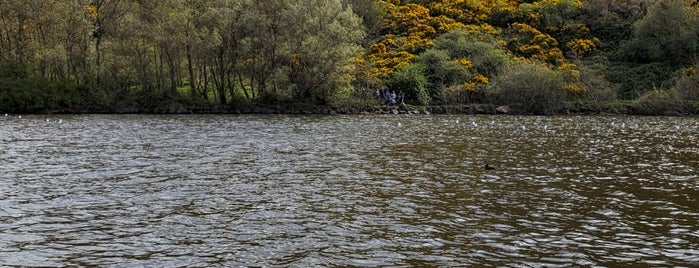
point(300, 191)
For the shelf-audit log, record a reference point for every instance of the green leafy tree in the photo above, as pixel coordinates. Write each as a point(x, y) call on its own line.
point(410, 80)
point(483, 50)
point(443, 73)
point(459, 65)
point(320, 58)
point(668, 33)
point(104, 15)
point(612, 21)
point(531, 88)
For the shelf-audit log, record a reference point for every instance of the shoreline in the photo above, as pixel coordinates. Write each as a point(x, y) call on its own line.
point(307, 109)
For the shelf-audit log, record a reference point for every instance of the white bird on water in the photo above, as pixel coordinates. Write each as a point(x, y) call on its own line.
point(522, 128)
point(399, 125)
point(676, 127)
point(474, 124)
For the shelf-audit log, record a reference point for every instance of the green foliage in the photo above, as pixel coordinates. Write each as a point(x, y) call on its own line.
point(459, 65)
point(668, 33)
point(597, 94)
point(487, 57)
point(10, 70)
point(531, 88)
point(410, 80)
point(442, 71)
point(659, 101)
point(612, 21)
point(371, 12)
point(561, 11)
point(634, 79)
point(321, 49)
point(687, 87)
point(554, 13)
point(114, 55)
point(36, 95)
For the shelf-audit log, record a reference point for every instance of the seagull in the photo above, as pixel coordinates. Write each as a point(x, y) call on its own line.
point(399, 125)
point(456, 122)
point(676, 127)
point(492, 122)
point(60, 121)
point(622, 125)
point(544, 127)
point(522, 128)
point(474, 124)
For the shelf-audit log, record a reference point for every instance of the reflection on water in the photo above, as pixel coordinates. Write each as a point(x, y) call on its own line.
point(200, 191)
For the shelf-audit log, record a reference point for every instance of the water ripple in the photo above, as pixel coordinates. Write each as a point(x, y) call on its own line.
point(300, 191)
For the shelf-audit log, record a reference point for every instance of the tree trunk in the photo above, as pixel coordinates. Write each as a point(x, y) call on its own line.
point(242, 86)
point(98, 61)
point(190, 68)
point(172, 71)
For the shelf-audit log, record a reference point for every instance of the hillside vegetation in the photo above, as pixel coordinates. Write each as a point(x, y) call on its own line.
point(538, 57)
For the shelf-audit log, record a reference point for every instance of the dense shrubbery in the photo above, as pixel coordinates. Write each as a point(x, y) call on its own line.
point(583, 56)
point(36, 94)
point(598, 94)
point(687, 88)
point(657, 101)
point(410, 80)
point(531, 88)
point(687, 85)
point(680, 95)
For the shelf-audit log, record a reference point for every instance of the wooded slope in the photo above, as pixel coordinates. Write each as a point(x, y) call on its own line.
point(537, 56)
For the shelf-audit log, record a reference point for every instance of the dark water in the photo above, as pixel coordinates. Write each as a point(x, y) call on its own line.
point(203, 191)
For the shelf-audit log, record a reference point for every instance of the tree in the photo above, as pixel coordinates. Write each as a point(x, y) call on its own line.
point(410, 79)
point(612, 21)
point(668, 33)
point(371, 12)
point(40, 54)
point(104, 15)
point(460, 64)
point(195, 16)
point(15, 36)
point(408, 31)
point(531, 88)
point(320, 59)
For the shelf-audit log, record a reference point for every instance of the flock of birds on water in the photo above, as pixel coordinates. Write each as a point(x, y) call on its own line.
point(474, 124)
point(47, 120)
point(544, 127)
